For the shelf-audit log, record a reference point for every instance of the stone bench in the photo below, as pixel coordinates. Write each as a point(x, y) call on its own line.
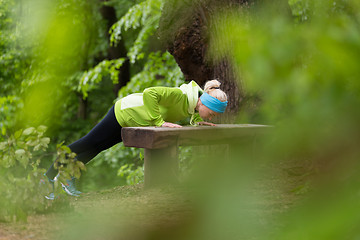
point(161, 145)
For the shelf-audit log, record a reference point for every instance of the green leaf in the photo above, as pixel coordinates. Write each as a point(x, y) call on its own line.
point(77, 173)
point(23, 157)
point(37, 147)
point(8, 161)
point(43, 144)
point(72, 155)
point(62, 159)
point(90, 79)
point(32, 142)
point(81, 165)
point(42, 129)
point(3, 145)
point(59, 144)
point(66, 149)
point(17, 134)
point(20, 152)
point(29, 131)
point(65, 174)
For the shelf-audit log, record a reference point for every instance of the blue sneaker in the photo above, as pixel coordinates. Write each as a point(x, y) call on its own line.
point(70, 188)
point(51, 196)
point(49, 184)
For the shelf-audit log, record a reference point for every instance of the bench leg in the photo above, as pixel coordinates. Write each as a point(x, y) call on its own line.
point(161, 166)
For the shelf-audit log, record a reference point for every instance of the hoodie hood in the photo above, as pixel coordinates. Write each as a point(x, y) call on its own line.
point(191, 90)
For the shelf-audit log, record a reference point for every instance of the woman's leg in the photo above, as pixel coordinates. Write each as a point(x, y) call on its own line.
point(104, 135)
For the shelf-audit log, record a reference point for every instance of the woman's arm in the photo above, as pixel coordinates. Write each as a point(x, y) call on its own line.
point(151, 98)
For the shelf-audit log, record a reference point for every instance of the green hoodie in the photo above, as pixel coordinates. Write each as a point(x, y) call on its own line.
point(157, 105)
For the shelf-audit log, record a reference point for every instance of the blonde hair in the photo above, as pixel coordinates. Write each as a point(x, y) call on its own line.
point(212, 88)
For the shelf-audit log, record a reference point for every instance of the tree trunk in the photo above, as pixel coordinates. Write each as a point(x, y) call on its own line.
point(187, 39)
point(82, 109)
point(184, 28)
point(115, 52)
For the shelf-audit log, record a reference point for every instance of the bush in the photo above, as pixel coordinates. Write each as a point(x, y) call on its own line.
point(20, 156)
point(22, 182)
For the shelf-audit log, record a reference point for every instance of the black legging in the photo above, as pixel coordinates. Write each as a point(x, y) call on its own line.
point(104, 135)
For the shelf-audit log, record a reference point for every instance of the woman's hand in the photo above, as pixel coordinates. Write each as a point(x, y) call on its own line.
point(171, 125)
point(206, 124)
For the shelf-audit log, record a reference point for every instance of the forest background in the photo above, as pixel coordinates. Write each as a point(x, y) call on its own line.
point(64, 63)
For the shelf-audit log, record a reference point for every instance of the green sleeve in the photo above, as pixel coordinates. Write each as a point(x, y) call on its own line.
point(151, 97)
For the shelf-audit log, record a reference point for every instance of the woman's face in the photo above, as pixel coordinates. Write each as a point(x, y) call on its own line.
point(206, 113)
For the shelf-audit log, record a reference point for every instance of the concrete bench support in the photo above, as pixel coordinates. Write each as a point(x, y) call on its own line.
point(161, 145)
point(161, 166)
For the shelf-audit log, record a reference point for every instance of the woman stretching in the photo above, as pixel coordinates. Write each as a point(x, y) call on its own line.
point(156, 106)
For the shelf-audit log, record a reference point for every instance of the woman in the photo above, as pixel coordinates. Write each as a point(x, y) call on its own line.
point(156, 106)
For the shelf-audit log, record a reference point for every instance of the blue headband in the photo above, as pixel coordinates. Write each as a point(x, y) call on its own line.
point(213, 103)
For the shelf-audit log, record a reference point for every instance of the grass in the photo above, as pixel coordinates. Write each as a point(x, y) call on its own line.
point(130, 212)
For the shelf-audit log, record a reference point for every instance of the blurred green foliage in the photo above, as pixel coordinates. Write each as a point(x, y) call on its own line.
point(144, 15)
point(54, 55)
point(20, 156)
point(14, 58)
point(8, 105)
point(23, 186)
point(62, 44)
point(67, 165)
point(158, 66)
point(90, 79)
point(159, 70)
point(304, 71)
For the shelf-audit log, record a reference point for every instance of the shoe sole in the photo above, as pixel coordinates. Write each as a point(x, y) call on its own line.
point(50, 198)
point(68, 192)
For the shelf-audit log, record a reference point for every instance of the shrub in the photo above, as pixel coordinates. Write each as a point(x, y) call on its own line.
point(22, 183)
point(20, 156)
